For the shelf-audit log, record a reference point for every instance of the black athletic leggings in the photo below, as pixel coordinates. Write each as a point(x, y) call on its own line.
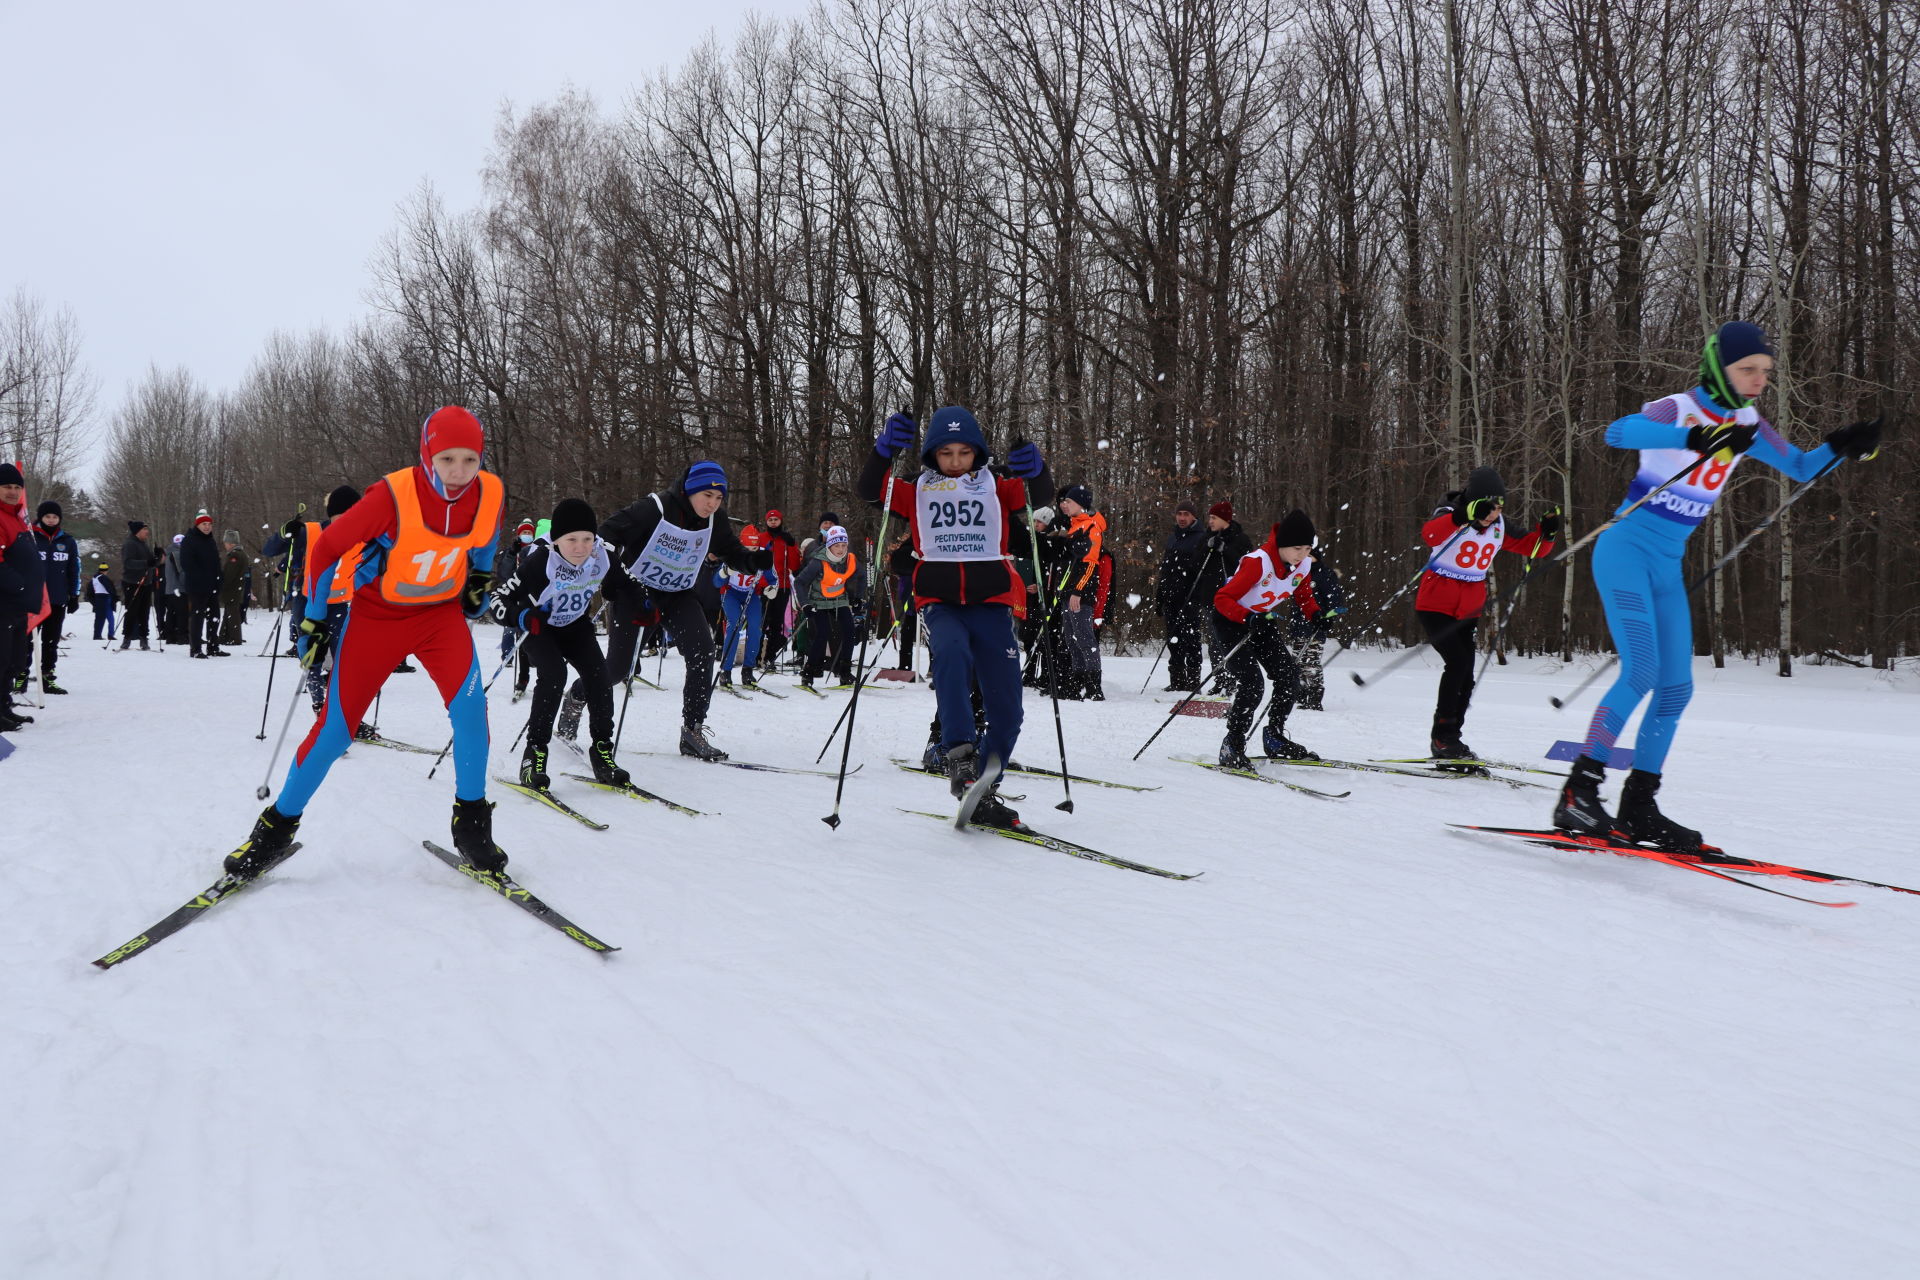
point(1267, 651)
point(552, 650)
point(1455, 640)
point(686, 618)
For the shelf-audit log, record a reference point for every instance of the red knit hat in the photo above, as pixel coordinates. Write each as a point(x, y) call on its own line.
point(774, 514)
point(1222, 509)
point(752, 539)
point(450, 427)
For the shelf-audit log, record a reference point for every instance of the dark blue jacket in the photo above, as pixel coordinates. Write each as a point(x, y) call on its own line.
point(21, 573)
point(200, 563)
point(60, 555)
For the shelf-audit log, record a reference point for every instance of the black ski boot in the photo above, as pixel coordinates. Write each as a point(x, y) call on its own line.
point(963, 766)
point(1277, 744)
point(694, 742)
point(600, 756)
point(992, 811)
point(1233, 754)
point(568, 725)
point(1452, 749)
point(473, 836)
point(533, 768)
point(934, 758)
point(1579, 809)
point(365, 733)
point(48, 686)
point(267, 844)
point(747, 679)
point(726, 680)
point(1641, 822)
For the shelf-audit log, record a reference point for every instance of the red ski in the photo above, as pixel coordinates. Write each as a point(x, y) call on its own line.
point(1704, 862)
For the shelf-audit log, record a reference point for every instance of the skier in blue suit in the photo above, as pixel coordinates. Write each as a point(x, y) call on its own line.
point(1637, 568)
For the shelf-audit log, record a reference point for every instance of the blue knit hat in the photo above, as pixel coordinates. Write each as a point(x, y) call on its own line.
point(704, 475)
point(954, 425)
point(1730, 344)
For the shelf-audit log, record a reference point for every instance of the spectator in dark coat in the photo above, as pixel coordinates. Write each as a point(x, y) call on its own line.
point(236, 590)
point(22, 586)
point(137, 560)
point(200, 577)
point(1181, 597)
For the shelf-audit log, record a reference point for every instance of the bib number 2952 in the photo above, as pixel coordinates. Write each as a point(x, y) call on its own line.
point(962, 514)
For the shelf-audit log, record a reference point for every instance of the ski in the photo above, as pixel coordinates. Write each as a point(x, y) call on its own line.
point(504, 885)
point(1438, 762)
point(552, 802)
point(1039, 772)
point(1027, 835)
point(658, 688)
point(638, 793)
point(1708, 857)
point(807, 688)
point(1400, 771)
point(727, 688)
point(760, 688)
point(1261, 777)
point(757, 768)
point(220, 890)
point(377, 741)
point(1590, 844)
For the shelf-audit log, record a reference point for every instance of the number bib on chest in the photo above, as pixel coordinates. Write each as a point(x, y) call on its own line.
point(427, 567)
point(673, 556)
point(1472, 553)
point(1691, 500)
point(1277, 582)
point(959, 517)
point(570, 587)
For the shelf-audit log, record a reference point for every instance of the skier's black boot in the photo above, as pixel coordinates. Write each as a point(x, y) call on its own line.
point(568, 725)
point(47, 685)
point(963, 766)
point(694, 742)
point(1452, 749)
point(726, 679)
point(473, 835)
point(992, 811)
point(267, 844)
point(600, 756)
point(1233, 754)
point(1275, 742)
point(1641, 822)
point(533, 768)
point(934, 758)
point(1579, 809)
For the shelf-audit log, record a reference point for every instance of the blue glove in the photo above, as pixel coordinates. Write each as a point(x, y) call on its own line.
point(896, 436)
point(1024, 460)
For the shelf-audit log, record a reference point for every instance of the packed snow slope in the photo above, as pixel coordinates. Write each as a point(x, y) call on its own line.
point(1359, 1046)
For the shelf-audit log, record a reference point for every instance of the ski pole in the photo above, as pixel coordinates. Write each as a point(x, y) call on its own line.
point(1500, 627)
point(1559, 557)
point(853, 701)
point(626, 697)
point(1218, 671)
point(273, 641)
point(485, 689)
point(1053, 681)
point(1718, 565)
point(1184, 600)
point(265, 789)
point(866, 669)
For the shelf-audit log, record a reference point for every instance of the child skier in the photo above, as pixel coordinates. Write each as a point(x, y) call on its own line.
point(60, 557)
point(102, 594)
point(1636, 566)
point(964, 586)
point(743, 598)
point(1471, 531)
point(833, 586)
point(1085, 535)
point(1245, 617)
point(426, 536)
point(663, 542)
point(547, 597)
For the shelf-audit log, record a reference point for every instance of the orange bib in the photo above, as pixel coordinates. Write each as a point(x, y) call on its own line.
point(425, 567)
point(342, 589)
point(833, 582)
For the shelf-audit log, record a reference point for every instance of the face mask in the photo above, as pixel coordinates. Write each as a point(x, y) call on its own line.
point(526, 537)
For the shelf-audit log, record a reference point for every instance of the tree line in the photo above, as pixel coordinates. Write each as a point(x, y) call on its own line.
point(1328, 254)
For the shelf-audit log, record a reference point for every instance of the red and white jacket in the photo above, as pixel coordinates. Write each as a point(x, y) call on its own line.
point(1263, 582)
point(1456, 584)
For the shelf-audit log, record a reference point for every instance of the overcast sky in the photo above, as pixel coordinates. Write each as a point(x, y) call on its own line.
point(190, 176)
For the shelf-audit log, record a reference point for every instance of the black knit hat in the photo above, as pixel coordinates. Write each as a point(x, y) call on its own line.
point(1485, 482)
point(571, 516)
point(1078, 493)
point(10, 474)
point(135, 526)
point(341, 500)
point(1294, 530)
point(829, 517)
point(49, 508)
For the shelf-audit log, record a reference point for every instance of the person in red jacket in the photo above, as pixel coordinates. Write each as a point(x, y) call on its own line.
point(1469, 532)
point(1246, 624)
point(787, 561)
point(426, 536)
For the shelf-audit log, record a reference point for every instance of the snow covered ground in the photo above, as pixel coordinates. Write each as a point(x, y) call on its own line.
point(1359, 1046)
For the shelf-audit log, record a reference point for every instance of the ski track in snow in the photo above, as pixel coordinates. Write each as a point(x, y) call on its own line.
point(1360, 1046)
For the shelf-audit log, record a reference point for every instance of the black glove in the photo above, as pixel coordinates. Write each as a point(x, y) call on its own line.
point(291, 527)
point(473, 596)
point(1728, 437)
point(316, 637)
point(1550, 525)
point(1857, 441)
point(73, 605)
